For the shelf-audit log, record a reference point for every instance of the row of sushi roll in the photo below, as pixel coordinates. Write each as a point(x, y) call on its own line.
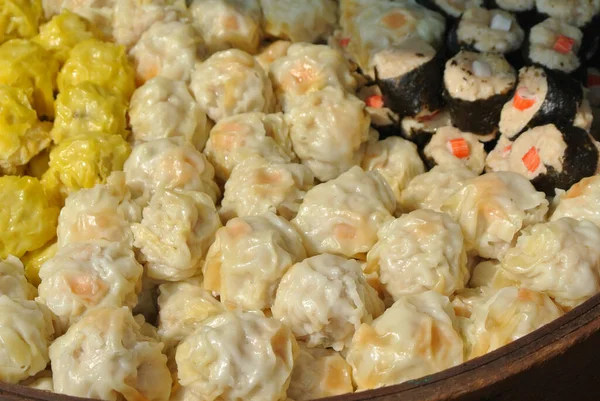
point(503, 86)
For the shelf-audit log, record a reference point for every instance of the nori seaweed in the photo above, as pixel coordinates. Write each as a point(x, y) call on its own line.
point(579, 160)
point(491, 144)
point(420, 137)
point(416, 90)
point(562, 100)
point(591, 39)
point(388, 130)
point(480, 117)
point(432, 5)
point(526, 19)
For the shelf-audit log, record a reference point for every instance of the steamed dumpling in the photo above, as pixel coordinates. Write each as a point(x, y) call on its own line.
point(415, 337)
point(560, 258)
point(110, 355)
point(175, 232)
point(85, 275)
point(420, 251)
point(324, 299)
point(237, 356)
point(491, 209)
point(248, 259)
point(12, 280)
point(342, 216)
point(581, 201)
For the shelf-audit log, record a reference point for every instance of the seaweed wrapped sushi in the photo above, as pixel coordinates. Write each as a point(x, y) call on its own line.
point(420, 129)
point(524, 10)
point(476, 86)
point(542, 97)
point(449, 8)
point(483, 30)
point(452, 147)
point(553, 156)
point(410, 78)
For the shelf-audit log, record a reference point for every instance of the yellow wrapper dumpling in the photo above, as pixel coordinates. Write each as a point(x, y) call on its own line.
point(27, 218)
point(19, 18)
point(84, 161)
point(102, 63)
point(23, 136)
point(88, 107)
point(62, 33)
point(35, 259)
point(26, 65)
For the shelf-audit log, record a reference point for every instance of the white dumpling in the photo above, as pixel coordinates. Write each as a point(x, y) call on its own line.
point(12, 280)
point(324, 299)
point(498, 318)
point(491, 209)
point(26, 330)
point(581, 201)
point(164, 108)
point(307, 68)
point(132, 18)
point(231, 82)
point(237, 356)
point(396, 159)
point(169, 49)
point(175, 232)
point(329, 131)
point(226, 24)
point(342, 216)
point(85, 275)
point(248, 258)
point(271, 52)
point(560, 258)
point(420, 251)
point(236, 138)
point(319, 373)
point(168, 164)
point(109, 355)
point(103, 212)
point(98, 12)
point(432, 189)
point(299, 21)
point(183, 306)
point(258, 186)
point(415, 337)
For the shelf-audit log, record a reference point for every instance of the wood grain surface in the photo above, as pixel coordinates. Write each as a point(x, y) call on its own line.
point(559, 362)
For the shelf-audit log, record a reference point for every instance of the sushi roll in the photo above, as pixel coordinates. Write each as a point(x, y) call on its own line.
point(450, 147)
point(524, 10)
point(409, 77)
point(420, 130)
point(383, 119)
point(497, 158)
point(542, 97)
point(554, 157)
point(476, 85)
point(449, 8)
point(555, 45)
point(482, 30)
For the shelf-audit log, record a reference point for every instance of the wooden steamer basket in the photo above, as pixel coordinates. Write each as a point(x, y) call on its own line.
point(560, 361)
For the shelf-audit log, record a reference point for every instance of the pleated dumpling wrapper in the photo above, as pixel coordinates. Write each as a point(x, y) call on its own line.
point(342, 216)
point(176, 230)
point(415, 337)
point(165, 108)
point(12, 280)
point(560, 258)
point(249, 257)
point(111, 355)
point(231, 82)
point(319, 373)
point(258, 186)
point(581, 201)
point(86, 275)
point(420, 251)
point(102, 212)
point(491, 210)
point(496, 318)
point(237, 355)
point(324, 299)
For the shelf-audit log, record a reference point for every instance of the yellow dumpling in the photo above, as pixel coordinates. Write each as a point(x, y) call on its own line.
point(26, 65)
point(27, 218)
point(62, 33)
point(102, 63)
point(19, 18)
point(84, 161)
point(23, 136)
point(35, 259)
point(88, 107)
point(38, 164)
